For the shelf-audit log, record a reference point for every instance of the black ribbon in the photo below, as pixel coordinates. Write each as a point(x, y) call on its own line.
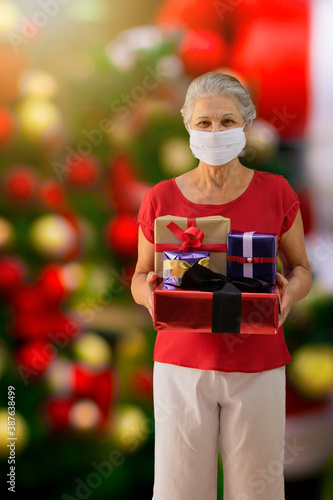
point(227, 295)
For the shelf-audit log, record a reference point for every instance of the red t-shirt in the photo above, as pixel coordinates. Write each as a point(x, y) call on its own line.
point(268, 205)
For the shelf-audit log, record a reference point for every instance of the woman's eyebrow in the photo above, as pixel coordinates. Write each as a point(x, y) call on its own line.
point(226, 114)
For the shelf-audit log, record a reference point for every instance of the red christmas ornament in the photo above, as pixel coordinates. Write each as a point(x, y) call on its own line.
point(122, 234)
point(12, 273)
point(52, 194)
point(99, 386)
point(44, 321)
point(249, 10)
point(20, 184)
point(83, 172)
point(33, 325)
point(202, 51)
point(7, 126)
point(65, 328)
point(192, 14)
point(42, 296)
point(37, 309)
point(35, 357)
point(52, 283)
point(126, 193)
point(141, 382)
point(28, 298)
point(56, 412)
point(272, 41)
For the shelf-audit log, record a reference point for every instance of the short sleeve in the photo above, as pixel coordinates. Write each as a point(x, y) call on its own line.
point(291, 204)
point(146, 217)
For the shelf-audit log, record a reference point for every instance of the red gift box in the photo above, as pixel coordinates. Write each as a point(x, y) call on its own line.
point(190, 311)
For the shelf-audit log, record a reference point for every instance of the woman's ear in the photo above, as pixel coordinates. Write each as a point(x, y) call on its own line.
point(187, 126)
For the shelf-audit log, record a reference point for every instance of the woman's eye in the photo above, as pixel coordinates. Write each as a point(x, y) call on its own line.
point(205, 123)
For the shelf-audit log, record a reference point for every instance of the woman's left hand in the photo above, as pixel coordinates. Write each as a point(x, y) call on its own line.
point(282, 289)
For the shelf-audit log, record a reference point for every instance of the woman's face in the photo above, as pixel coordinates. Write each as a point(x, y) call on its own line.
point(216, 113)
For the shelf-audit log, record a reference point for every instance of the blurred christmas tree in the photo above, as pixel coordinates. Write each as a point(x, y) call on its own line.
point(74, 346)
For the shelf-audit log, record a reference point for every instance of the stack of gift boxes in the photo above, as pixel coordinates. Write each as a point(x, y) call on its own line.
point(214, 280)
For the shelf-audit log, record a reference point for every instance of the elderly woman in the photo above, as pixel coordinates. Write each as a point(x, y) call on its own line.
point(209, 388)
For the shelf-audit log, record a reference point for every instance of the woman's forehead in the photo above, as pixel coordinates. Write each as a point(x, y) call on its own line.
point(215, 106)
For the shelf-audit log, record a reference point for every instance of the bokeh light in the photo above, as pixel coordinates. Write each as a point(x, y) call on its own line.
point(38, 118)
point(38, 83)
point(52, 236)
point(9, 17)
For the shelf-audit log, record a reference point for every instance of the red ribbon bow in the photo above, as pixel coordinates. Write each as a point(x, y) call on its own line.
point(192, 237)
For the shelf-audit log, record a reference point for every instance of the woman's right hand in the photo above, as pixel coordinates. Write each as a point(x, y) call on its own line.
point(144, 281)
point(153, 282)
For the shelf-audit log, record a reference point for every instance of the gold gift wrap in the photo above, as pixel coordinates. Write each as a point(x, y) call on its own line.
point(202, 233)
point(179, 267)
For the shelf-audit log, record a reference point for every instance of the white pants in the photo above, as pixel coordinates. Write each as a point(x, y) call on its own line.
point(194, 409)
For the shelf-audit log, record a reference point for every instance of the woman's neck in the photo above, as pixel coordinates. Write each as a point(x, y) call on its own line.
point(215, 185)
point(210, 178)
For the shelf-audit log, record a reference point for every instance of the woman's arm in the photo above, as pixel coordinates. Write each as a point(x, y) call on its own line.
point(295, 279)
point(144, 280)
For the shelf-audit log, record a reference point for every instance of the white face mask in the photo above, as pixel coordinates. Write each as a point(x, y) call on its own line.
point(217, 148)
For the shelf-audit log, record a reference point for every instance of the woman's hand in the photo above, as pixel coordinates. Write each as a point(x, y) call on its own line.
point(153, 282)
point(144, 281)
point(283, 291)
point(295, 281)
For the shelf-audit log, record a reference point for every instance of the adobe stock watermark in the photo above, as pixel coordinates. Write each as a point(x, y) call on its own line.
point(259, 480)
point(321, 251)
point(263, 312)
point(163, 410)
point(91, 306)
point(101, 471)
point(280, 121)
point(121, 106)
point(223, 7)
point(58, 341)
point(29, 28)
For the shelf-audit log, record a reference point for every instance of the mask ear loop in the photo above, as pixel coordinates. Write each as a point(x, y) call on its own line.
point(246, 123)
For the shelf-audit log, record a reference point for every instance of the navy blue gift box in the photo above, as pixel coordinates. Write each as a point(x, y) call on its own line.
point(252, 255)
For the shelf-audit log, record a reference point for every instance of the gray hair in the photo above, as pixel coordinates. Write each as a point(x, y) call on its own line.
point(210, 84)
